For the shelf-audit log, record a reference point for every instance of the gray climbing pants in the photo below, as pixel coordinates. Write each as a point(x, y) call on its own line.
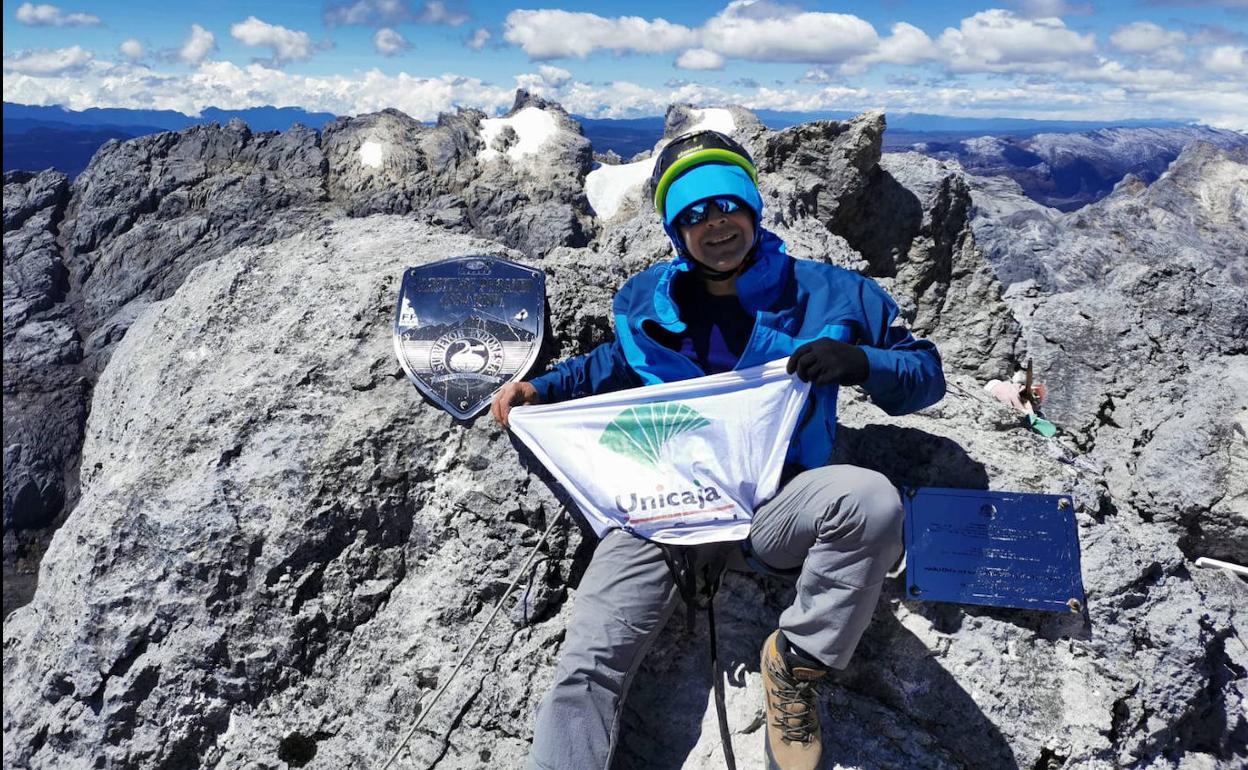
point(840, 524)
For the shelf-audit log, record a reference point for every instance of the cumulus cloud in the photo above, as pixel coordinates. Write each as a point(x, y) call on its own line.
point(477, 40)
point(1097, 89)
point(131, 49)
point(760, 31)
point(700, 59)
point(51, 16)
point(1145, 37)
point(229, 86)
point(197, 47)
point(552, 34)
point(999, 41)
point(907, 44)
point(1227, 60)
point(435, 12)
point(819, 75)
point(754, 30)
point(381, 13)
point(1142, 79)
point(286, 44)
point(390, 43)
point(555, 76)
point(45, 62)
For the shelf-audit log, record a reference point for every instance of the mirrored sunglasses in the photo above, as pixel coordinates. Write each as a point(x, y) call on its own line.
point(698, 211)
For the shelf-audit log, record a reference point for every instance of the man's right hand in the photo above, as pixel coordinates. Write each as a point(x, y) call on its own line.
point(512, 394)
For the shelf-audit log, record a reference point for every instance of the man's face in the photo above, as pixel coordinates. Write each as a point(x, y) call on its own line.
point(721, 241)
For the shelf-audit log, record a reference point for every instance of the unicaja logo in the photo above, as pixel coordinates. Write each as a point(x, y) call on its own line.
point(641, 432)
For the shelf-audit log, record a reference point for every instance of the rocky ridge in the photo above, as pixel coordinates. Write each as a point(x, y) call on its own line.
point(1070, 170)
point(279, 548)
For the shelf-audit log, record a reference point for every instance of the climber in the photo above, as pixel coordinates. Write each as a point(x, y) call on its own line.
point(733, 298)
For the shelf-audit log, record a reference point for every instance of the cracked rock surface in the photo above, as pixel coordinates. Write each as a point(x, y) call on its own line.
point(280, 550)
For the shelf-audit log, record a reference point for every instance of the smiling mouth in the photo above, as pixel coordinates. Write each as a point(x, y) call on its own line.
point(721, 241)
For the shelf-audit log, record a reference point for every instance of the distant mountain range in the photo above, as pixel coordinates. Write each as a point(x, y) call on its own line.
point(36, 137)
point(630, 136)
point(1067, 171)
point(1064, 164)
point(258, 118)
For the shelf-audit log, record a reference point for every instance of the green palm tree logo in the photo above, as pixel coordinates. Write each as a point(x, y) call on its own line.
point(640, 432)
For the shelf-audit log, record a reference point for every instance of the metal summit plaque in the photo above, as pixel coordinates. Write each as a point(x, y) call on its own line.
point(464, 327)
point(1002, 549)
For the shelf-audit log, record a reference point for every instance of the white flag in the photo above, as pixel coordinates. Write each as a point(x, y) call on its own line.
point(682, 462)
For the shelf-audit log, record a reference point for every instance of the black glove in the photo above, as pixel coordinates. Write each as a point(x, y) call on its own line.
point(828, 362)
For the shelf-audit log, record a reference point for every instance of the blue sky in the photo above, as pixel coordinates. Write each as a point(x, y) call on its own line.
point(1021, 58)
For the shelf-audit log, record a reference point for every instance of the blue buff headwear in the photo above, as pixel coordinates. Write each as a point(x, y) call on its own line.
point(700, 166)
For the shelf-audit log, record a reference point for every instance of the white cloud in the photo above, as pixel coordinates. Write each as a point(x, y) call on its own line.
point(45, 62)
point(548, 81)
point(286, 44)
point(700, 59)
point(389, 43)
point(754, 30)
point(1141, 79)
point(1227, 60)
point(906, 45)
point(999, 41)
point(555, 76)
point(760, 31)
point(380, 13)
point(131, 49)
point(477, 40)
point(197, 47)
point(51, 16)
point(551, 34)
point(437, 12)
point(1145, 37)
point(1098, 90)
point(229, 86)
point(819, 75)
point(367, 13)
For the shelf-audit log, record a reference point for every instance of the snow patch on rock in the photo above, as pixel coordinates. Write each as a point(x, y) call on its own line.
point(606, 186)
point(714, 119)
point(533, 127)
point(371, 154)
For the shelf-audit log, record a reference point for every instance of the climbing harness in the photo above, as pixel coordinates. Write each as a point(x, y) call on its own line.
point(473, 646)
point(698, 583)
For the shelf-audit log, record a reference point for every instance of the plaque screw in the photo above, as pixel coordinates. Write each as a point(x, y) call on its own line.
point(1075, 605)
point(911, 492)
point(915, 590)
point(1063, 504)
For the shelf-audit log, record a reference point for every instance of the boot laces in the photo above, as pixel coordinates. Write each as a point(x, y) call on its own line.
point(794, 701)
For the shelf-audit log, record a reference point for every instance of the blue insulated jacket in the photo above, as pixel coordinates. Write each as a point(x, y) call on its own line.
point(793, 301)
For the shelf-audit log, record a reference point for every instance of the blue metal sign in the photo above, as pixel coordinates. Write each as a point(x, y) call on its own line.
point(1002, 549)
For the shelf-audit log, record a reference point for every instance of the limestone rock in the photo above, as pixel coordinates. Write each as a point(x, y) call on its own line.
point(281, 550)
point(44, 398)
point(34, 277)
point(1136, 319)
point(147, 211)
point(529, 197)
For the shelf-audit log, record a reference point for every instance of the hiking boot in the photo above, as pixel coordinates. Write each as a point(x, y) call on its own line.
point(792, 737)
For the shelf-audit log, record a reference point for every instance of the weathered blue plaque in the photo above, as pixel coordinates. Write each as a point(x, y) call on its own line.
point(464, 327)
point(1003, 549)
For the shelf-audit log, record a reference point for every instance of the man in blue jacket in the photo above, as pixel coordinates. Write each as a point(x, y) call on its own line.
point(731, 299)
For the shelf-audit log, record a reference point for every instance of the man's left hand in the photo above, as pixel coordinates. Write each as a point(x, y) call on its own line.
point(828, 362)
